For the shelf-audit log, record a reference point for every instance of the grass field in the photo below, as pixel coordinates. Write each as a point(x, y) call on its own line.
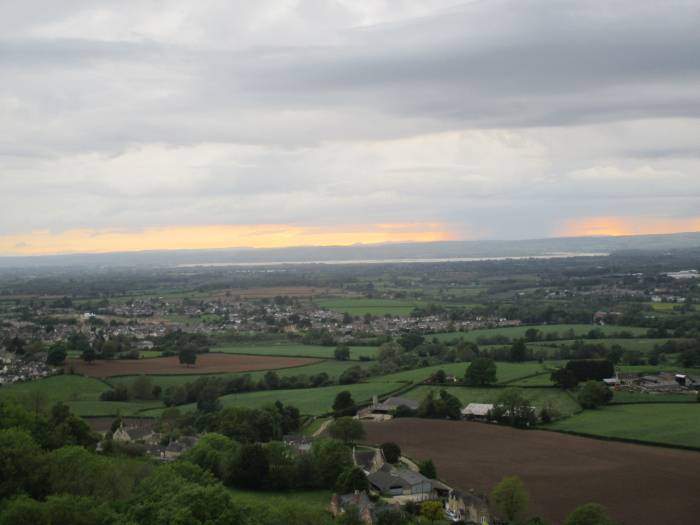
point(332, 368)
point(504, 372)
point(515, 332)
point(58, 388)
point(310, 401)
point(673, 424)
point(294, 350)
point(362, 306)
point(538, 397)
point(644, 397)
point(111, 408)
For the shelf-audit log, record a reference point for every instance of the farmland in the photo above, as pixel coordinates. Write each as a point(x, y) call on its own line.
point(330, 367)
point(514, 332)
point(538, 397)
point(296, 350)
point(668, 423)
point(314, 401)
point(206, 364)
point(64, 388)
point(640, 485)
point(377, 307)
point(505, 372)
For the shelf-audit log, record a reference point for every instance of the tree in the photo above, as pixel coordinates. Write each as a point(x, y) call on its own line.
point(344, 405)
point(350, 480)
point(589, 514)
point(390, 517)
point(351, 516)
point(518, 351)
point(208, 399)
point(142, 387)
point(427, 468)
point(481, 372)
point(21, 462)
point(585, 369)
point(187, 356)
point(331, 458)
point(512, 408)
point(564, 378)
point(88, 355)
point(438, 377)
point(346, 429)
point(532, 335)
point(594, 394)
point(511, 499)
point(432, 511)
point(342, 353)
point(251, 467)
point(391, 451)
point(57, 355)
point(351, 375)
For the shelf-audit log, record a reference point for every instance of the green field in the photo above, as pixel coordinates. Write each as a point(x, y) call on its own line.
point(504, 372)
point(332, 368)
point(295, 350)
point(310, 401)
point(111, 408)
point(645, 397)
point(538, 397)
point(361, 306)
point(668, 423)
point(58, 388)
point(515, 332)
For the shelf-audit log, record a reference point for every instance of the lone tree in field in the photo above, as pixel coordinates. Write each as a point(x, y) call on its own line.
point(342, 353)
point(481, 372)
point(89, 355)
point(511, 499)
point(187, 357)
point(346, 429)
point(594, 394)
point(57, 355)
point(589, 514)
point(344, 404)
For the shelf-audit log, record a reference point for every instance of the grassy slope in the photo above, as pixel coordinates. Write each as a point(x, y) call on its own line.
point(59, 388)
point(505, 371)
point(295, 350)
point(362, 306)
point(674, 424)
point(537, 396)
point(312, 401)
point(332, 368)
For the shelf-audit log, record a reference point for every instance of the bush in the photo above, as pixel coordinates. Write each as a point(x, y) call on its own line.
point(594, 394)
point(391, 451)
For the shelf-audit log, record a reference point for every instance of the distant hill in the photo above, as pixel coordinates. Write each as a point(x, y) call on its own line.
point(368, 252)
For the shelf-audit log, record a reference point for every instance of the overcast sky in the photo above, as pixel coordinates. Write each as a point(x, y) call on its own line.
point(130, 125)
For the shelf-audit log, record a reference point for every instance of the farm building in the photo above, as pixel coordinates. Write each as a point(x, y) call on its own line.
point(384, 411)
point(405, 484)
point(477, 410)
point(368, 460)
point(340, 504)
point(467, 507)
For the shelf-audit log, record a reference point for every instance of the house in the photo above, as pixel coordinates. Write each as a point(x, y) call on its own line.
point(368, 460)
point(132, 434)
point(467, 507)
point(299, 443)
point(384, 411)
point(403, 483)
point(360, 500)
point(477, 411)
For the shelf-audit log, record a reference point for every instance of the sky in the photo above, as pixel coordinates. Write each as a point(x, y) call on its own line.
point(133, 125)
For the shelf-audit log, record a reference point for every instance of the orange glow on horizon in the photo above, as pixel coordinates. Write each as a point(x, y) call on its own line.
point(216, 236)
point(616, 226)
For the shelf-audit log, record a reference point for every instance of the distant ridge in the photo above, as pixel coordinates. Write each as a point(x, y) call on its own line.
point(375, 252)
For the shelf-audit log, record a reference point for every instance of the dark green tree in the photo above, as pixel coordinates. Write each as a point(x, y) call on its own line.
point(481, 372)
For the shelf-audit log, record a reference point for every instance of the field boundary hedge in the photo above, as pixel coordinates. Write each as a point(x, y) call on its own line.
point(619, 439)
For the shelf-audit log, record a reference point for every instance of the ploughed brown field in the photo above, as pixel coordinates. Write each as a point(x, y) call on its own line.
point(638, 484)
point(206, 364)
